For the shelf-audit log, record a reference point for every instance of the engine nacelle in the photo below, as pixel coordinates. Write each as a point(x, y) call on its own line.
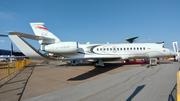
point(62, 48)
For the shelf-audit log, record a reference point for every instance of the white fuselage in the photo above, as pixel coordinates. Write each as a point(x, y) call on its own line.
point(124, 51)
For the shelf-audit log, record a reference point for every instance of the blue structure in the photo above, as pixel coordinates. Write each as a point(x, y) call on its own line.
point(8, 52)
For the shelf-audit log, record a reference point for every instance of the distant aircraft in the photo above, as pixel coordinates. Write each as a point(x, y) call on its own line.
point(75, 52)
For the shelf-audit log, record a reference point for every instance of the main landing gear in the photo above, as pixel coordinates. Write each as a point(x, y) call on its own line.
point(99, 63)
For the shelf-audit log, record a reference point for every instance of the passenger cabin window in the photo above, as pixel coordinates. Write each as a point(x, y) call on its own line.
point(110, 49)
point(140, 48)
point(124, 48)
point(127, 48)
point(100, 49)
point(121, 48)
point(97, 49)
point(134, 48)
point(144, 48)
point(107, 49)
point(118, 49)
point(104, 49)
point(137, 48)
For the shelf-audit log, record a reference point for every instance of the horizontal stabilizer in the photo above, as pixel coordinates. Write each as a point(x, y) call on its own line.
point(3, 35)
point(29, 36)
point(46, 40)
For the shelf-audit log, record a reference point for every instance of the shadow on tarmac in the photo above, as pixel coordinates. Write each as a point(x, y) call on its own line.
point(172, 95)
point(13, 89)
point(137, 90)
point(97, 71)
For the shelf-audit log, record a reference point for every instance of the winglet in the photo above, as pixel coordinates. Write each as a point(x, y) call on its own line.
point(27, 49)
point(130, 40)
point(175, 46)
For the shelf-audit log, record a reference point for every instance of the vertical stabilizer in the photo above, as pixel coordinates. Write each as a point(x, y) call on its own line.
point(40, 30)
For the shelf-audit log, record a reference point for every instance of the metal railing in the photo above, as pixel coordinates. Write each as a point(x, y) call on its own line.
point(178, 86)
point(7, 68)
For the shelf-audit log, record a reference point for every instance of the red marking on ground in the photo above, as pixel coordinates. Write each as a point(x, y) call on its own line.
point(139, 62)
point(165, 61)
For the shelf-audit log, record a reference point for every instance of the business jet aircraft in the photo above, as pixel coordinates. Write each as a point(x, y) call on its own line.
point(73, 51)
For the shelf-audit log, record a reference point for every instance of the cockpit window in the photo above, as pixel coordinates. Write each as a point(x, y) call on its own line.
point(163, 46)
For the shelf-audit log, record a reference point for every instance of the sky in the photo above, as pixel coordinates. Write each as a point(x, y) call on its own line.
point(94, 21)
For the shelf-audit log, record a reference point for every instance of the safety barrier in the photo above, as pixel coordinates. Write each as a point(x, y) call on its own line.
point(7, 68)
point(178, 86)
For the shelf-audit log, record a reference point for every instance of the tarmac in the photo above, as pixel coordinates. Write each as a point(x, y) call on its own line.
point(115, 82)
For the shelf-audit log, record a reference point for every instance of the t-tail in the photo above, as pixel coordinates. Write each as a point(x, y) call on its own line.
point(40, 30)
